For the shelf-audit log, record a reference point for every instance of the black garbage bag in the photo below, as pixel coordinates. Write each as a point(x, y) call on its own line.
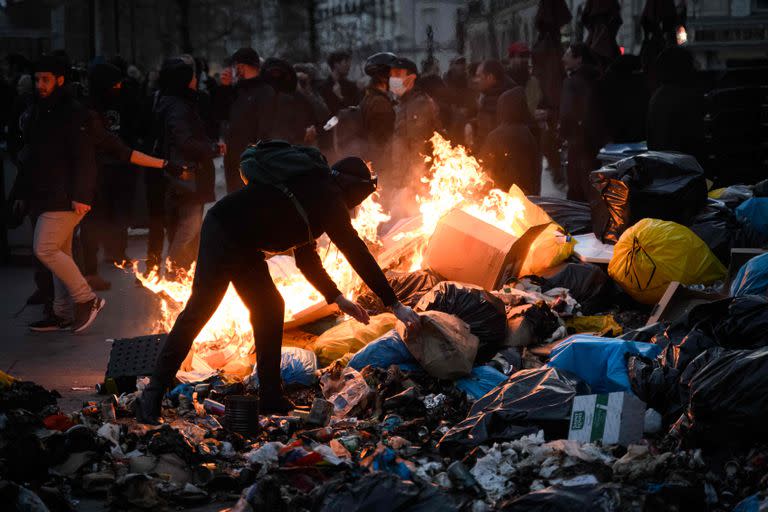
point(530, 324)
point(718, 226)
point(593, 498)
point(659, 185)
point(479, 308)
point(656, 385)
point(27, 395)
point(408, 286)
point(729, 398)
point(380, 492)
point(737, 322)
point(574, 216)
point(587, 283)
point(529, 401)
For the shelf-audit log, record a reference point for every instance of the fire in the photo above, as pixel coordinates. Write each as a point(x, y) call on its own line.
point(454, 180)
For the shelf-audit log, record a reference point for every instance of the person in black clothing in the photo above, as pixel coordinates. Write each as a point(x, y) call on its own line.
point(246, 102)
point(510, 152)
point(625, 93)
point(493, 81)
point(57, 182)
point(113, 156)
point(236, 233)
point(582, 122)
point(183, 138)
point(676, 109)
point(338, 91)
point(292, 116)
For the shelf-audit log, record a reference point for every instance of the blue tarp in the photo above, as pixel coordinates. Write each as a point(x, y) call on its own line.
point(600, 362)
point(754, 212)
point(752, 278)
point(383, 353)
point(481, 381)
point(297, 366)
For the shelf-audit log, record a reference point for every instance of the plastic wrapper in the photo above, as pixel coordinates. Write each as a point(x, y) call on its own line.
point(531, 400)
point(574, 216)
point(480, 309)
point(600, 362)
point(349, 337)
point(667, 186)
point(409, 288)
point(653, 253)
point(297, 366)
point(444, 347)
point(482, 380)
point(752, 278)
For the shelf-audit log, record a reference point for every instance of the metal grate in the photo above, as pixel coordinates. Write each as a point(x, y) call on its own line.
point(133, 357)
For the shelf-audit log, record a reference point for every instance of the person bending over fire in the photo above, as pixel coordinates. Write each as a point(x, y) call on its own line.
point(291, 198)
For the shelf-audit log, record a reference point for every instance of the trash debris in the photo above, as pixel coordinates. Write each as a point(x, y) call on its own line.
point(752, 278)
point(297, 366)
point(344, 388)
point(409, 288)
point(754, 213)
point(349, 337)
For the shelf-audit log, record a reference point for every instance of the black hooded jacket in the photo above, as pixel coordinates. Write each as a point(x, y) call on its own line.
point(510, 151)
point(57, 164)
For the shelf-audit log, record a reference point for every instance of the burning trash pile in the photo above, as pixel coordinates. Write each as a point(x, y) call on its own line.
point(611, 356)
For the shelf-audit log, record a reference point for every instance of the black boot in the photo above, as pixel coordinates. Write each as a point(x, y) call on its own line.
point(273, 401)
point(147, 406)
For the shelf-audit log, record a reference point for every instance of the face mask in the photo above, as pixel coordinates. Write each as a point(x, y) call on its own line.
point(397, 86)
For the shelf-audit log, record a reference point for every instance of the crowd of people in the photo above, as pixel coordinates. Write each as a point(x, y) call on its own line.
point(81, 138)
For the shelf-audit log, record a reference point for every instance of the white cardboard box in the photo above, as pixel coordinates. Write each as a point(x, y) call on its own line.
point(615, 418)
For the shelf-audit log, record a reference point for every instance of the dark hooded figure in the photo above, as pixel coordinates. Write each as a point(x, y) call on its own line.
point(676, 109)
point(257, 218)
point(182, 137)
point(293, 117)
point(510, 152)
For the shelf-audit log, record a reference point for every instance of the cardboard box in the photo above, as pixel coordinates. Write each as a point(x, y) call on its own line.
point(466, 249)
point(615, 418)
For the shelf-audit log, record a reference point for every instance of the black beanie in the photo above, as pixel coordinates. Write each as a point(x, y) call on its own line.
point(354, 179)
point(51, 64)
point(175, 76)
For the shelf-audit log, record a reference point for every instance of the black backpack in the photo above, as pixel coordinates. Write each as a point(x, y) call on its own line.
point(277, 162)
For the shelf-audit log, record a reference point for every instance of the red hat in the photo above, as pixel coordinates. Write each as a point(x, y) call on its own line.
point(518, 49)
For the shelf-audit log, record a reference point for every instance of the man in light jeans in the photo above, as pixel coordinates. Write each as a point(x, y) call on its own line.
point(57, 181)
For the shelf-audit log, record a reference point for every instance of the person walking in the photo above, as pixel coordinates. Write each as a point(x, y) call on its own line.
point(57, 183)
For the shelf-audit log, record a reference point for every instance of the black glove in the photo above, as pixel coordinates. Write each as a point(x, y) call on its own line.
point(175, 168)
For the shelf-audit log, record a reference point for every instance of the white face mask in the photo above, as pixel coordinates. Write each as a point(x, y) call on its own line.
point(397, 86)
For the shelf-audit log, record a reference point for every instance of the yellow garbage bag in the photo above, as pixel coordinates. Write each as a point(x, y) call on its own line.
point(601, 325)
point(6, 380)
point(653, 253)
point(350, 336)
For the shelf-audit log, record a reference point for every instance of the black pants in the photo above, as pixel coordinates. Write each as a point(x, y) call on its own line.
point(219, 263)
point(155, 183)
point(581, 162)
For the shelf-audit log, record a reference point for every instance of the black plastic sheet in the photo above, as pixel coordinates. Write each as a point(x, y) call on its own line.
point(718, 226)
point(529, 401)
point(480, 309)
point(574, 216)
point(598, 498)
point(658, 185)
point(408, 286)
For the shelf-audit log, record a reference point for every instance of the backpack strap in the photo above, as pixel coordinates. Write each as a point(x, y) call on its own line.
point(299, 208)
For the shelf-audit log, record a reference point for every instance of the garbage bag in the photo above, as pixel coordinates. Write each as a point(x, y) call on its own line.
point(444, 347)
point(653, 253)
point(574, 216)
point(384, 352)
point(660, 185)
point(480, 309)
point(600, 362)
point(380, 492)
point(731, 196)
point(350, 336)
point(729, 397)
point(752, 278)
point(738, 322)
point(717, 225)
point(530, 324)
point(408, 286)
point(594, 498)
point(529, 401)
point(754, 212)
point(602, 325)
point(587, 283)
point(753, 503)
point(297, 366)
point(481, 381)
